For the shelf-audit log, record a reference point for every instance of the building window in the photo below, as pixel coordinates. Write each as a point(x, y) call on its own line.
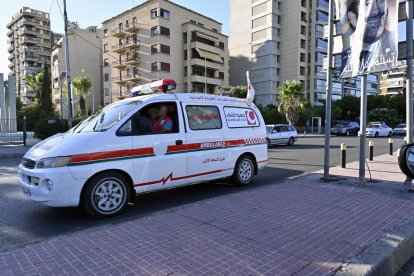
point(154, 67)
point(185, 54)
point(302, 44)
point(221, 75)
point(105, 33)
point(200, 24)
point(154, 49)
point(165, 49)
point(185, 37)
point(154, 13)
point(105, 48)
point(154, 31)
point(302, 71)
point(165, 66)
point(303, 30)
point(164, 31)
point(185, 72)
point(302, 57)
point(165, 14)
point(303, 16)
point(221, 45)
point(106, 62)
point(303, 4)
point(106, 77)
point(193, 22)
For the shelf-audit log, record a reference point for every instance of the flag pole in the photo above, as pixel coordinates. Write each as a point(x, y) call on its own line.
point(328, 93)
point(409, 57)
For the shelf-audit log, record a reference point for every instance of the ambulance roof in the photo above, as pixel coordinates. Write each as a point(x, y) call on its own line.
point(190, 97)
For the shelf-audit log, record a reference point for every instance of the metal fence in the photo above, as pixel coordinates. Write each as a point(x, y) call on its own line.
point(17, 131)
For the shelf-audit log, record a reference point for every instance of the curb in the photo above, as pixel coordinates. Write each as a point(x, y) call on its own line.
point(387, 255)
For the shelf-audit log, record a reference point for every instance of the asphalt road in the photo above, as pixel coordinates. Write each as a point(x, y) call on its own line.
point(24, 222)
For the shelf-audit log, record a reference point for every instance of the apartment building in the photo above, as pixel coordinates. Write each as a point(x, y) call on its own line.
point(279, 40)
point(159, 39)
point(394, 82)
point(29, 40)
point(85, 60)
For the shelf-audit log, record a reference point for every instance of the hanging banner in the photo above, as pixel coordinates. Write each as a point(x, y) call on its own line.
point(369, 30)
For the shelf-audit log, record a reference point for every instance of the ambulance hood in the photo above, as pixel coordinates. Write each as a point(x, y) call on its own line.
point(65, 144)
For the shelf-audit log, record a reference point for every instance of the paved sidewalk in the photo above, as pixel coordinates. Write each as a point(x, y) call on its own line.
point(302, 226)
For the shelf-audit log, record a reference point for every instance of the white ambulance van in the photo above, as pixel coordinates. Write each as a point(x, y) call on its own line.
point(143, 144)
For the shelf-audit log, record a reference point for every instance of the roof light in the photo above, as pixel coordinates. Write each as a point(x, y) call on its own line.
point(165, 85)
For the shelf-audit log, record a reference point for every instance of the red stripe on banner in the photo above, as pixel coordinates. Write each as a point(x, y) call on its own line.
point(87, 157)
point(171, 178)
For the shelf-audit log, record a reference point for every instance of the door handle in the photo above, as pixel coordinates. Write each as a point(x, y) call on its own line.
point(178, 142)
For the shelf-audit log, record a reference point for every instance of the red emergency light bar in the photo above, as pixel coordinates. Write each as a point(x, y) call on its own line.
point(164, 85)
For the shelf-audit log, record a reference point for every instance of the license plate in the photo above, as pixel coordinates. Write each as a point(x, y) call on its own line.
point(26, 191)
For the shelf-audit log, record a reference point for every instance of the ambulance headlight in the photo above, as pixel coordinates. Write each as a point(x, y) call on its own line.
point(53, 162)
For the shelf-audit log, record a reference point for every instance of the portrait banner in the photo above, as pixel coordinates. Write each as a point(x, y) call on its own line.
point(369, 30)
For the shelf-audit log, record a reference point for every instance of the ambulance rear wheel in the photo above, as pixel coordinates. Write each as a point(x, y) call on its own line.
point(105, 195)
point(244, 171)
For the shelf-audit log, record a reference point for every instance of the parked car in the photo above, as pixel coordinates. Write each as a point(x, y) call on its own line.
point(376, 130)
point(400, 129)
point(346, 128)
point(281, 134)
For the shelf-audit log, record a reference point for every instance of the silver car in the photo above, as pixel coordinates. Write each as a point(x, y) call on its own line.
point(281, 134)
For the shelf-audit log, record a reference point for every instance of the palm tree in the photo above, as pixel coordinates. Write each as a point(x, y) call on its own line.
point(35, 82)
point(82, 86)
point(291, 100)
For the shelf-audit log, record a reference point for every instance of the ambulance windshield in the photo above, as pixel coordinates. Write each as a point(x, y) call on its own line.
point(106, 118)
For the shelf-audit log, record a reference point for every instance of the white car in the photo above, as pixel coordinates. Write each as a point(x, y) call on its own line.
point(281, 134)
point(400, 129)
point(376, 130)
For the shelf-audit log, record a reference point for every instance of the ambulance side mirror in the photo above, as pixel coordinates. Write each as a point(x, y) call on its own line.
point(406, 159)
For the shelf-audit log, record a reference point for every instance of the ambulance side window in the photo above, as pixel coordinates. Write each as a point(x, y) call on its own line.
point(201, 117)
point(156, 118)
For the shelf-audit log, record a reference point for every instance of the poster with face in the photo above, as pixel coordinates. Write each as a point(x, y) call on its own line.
point(369, 30)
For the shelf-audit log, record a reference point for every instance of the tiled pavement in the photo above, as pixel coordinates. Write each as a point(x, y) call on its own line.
point(301, 227)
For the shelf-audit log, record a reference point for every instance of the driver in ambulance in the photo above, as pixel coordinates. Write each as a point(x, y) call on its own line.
point(162, 123)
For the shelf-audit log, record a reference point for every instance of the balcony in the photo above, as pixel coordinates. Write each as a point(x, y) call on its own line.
point(10, 32)
point(202, 79)
point(119, 79)
point(206, 47)
point(131, 77)
point(119, 48)
point(11, 49)
point(24, 40)
point(28, 58)
point(132, 61)
point(118, 32)
point(11, 57)
point(132, 28)
point(119, 64)
point(209, 64)
point(133, 44)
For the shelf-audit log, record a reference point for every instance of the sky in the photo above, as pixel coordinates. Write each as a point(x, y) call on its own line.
point(94, 12)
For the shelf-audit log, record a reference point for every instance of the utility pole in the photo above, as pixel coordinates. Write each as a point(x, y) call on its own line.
point(68, 81)
point(363, 129)
point(409, 58)
point(328, 93)
point(409, 85)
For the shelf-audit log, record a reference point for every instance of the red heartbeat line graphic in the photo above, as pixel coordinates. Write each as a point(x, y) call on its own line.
point(171, 178)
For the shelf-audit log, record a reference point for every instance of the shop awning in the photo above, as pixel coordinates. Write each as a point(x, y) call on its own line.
point(209, 55)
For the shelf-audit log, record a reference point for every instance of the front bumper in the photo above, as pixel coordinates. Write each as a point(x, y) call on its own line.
point(65, 192)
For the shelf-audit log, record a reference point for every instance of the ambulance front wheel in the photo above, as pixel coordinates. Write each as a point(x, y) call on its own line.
point(244, 171)
point(106, 194)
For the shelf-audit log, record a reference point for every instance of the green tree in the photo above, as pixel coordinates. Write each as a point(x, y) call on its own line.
point(351, 104)
point(233, 91)
point(82, 86)
point(291, 100)
point(376, 101)
point(34, 82)
point(45, 102)
point(388, 115)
